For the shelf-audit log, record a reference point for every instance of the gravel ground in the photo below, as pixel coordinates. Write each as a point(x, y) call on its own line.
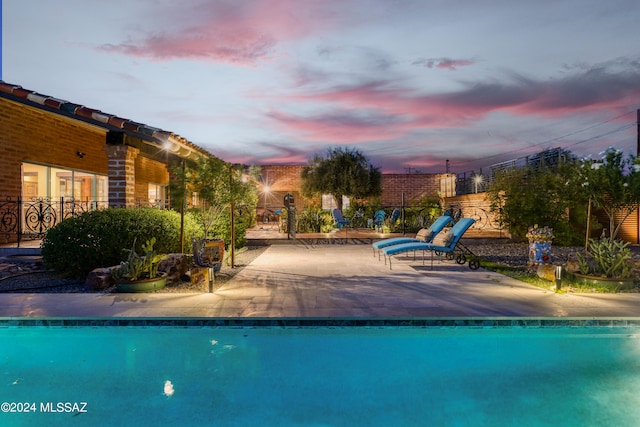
point(27, 275)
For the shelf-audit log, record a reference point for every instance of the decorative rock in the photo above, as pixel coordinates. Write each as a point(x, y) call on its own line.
point(174, 266)
point(99, 279)
point(572, 266)
point(547, 272)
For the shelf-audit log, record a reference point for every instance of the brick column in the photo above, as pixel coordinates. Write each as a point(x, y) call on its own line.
point(122, 175)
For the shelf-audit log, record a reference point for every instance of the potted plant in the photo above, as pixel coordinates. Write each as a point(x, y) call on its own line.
point(608, 262)
point(139, 273)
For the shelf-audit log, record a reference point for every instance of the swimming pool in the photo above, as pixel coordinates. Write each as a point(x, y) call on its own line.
point(323, 373)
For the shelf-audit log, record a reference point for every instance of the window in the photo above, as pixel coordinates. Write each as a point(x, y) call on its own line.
point(157, 195)
point(50, 182)
point(329, 202)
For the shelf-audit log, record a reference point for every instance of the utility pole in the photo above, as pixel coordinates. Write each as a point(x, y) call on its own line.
point(638, 132)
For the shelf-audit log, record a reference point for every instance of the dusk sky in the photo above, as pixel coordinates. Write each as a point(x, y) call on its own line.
point(409, 83)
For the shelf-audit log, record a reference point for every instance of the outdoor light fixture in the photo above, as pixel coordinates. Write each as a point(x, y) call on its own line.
point(80, 154)
point(558, 277)
point(477, 180)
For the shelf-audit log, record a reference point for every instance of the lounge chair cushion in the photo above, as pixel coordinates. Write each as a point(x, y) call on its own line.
point(424, 235)
point(443, 239)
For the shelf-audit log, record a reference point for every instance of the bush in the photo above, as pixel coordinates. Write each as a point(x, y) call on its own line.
point(313, 220)
point(219, 224)
point(545, 195)
point(95, 239)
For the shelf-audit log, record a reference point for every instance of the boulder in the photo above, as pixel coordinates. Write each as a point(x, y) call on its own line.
point(99, 279)
point(572, 266)
point(175, 266)
point(547, 272)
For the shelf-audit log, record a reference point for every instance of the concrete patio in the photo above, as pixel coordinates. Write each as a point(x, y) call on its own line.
point(346, 281)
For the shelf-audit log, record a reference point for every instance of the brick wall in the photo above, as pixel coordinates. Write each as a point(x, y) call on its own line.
point(281, 179)
point(30, 134)
point(286, 179)
point(33, 135)
point(147, 171)
point(414, 186)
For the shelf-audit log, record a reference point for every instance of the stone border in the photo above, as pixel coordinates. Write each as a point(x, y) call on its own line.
point(462, 322)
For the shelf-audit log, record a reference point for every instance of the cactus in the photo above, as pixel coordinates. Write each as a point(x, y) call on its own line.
point(608, 258)
point(137, 267)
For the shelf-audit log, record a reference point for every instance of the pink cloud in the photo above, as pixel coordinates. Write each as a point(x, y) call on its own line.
point(392, 111)
point(240, 32)
point(339, 127)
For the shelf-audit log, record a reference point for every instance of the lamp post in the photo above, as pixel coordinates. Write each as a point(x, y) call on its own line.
point(182, 203)
point(477, 180)
point(265, 194)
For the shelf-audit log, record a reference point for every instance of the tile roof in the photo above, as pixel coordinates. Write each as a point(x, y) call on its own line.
point(99, 118)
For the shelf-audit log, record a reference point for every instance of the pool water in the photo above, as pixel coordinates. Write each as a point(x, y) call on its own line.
point(352, 376)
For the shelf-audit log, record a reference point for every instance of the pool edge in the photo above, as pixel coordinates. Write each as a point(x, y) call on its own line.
point(422, 322)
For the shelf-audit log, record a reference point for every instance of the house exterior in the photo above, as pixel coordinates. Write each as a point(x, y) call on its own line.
point(59, 157)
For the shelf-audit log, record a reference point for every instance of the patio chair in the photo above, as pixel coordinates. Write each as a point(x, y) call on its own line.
point(339, 219)
point(444, 243)
point(395, 216)
point(425, 235)
point(378, 219)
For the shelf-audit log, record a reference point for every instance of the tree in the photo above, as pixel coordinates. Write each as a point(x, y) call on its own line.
point(613, 185)
point(217, 185)
point(543, 194)
point(343, 172)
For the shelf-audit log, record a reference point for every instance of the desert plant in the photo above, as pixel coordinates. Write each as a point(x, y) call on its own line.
point(137, 267)
point(314, 220)
point(608, 258)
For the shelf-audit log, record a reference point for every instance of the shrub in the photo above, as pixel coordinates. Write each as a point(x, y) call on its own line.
point(314, 220)
point(541, 194)
point(218, 222)
point(95, 239)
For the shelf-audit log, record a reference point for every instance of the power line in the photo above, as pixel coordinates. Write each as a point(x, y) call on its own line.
point(548, 141)
point(625, 127)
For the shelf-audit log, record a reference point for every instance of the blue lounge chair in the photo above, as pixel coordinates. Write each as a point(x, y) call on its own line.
point(443, 244)
point(339, 219)
point(425, 235)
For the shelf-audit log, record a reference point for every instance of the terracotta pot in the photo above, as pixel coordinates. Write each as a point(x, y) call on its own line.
point(143, 285)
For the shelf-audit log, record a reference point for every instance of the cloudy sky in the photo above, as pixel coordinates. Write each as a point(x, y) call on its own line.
point(410, 83)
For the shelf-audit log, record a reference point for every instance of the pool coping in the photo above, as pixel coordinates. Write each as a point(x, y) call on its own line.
point(448, 322)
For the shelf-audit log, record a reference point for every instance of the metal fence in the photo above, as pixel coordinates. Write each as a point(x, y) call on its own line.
point(31, 219)
point(478, 182)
